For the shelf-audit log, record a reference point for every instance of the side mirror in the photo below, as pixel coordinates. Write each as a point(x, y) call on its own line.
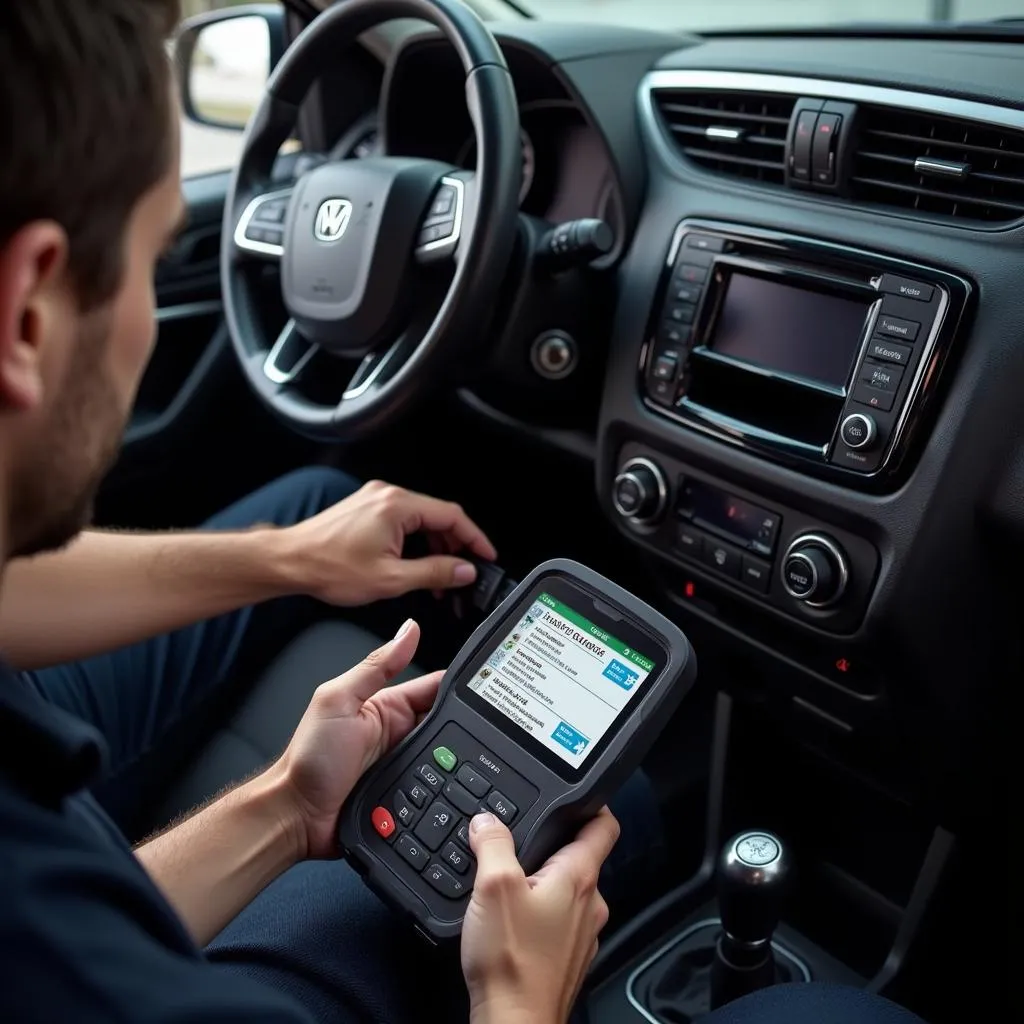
point(224, 60)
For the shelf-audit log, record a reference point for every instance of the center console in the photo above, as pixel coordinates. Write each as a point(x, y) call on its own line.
point(820, 356)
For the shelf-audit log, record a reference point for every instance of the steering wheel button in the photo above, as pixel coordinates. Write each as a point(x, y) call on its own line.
point(271, 213)
point(383, 823)
point(444, 202)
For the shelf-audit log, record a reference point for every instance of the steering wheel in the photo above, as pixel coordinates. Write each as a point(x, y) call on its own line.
point(353, 236)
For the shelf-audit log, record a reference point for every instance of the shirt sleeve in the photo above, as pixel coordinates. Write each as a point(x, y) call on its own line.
point(87, 937)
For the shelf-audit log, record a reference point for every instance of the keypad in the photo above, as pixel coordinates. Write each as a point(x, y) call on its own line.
point(425, 814)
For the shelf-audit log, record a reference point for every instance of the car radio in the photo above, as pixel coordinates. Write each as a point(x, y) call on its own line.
point(806, 352)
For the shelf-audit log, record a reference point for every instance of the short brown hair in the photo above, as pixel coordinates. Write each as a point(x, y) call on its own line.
point(85, 123)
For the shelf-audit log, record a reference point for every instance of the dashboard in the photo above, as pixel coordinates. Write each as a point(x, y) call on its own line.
point(807, 414)
point(567, 169)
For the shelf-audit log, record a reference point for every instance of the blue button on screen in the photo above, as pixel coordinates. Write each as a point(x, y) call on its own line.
point(621, 675)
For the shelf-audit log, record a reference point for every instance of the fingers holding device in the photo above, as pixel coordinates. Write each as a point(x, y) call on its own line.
point(551, 704)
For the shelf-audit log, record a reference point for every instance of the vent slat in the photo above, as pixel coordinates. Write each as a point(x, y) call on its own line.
point(947, 197)
point(761, 122)
point(730, 115)
point(728, 158)
point(924, 142)
point(889, 142)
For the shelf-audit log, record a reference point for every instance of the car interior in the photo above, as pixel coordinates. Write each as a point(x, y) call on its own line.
point(735, 319)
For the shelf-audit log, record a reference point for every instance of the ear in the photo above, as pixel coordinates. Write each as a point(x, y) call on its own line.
point(33, 307)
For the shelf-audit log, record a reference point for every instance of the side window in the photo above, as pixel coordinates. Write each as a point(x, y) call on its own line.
point(226, 70)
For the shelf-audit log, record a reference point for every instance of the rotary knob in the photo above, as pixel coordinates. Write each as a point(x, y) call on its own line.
point(640, 492)
point(814, 570)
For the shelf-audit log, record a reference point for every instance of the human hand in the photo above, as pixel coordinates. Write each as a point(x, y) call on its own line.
point(351, 554)
point(350, 723)
point(527, 942)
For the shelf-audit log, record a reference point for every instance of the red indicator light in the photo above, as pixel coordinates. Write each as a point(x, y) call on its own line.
point(843, 665)
point(689, 590)
point(732, 512)
point(825, 129)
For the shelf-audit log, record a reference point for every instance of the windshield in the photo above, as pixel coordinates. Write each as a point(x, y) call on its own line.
point(702, 15)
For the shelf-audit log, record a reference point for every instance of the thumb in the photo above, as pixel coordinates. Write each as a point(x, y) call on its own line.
point(495, 851)
point(379, 667)
point(436, 572)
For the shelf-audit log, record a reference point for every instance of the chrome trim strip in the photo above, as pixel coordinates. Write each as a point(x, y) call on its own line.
point(725, 134)
point(364, 386)
point(259, 248)
point(446, 246)
point(741, 81)
point(272, 371)
point(941, 168)
point(188, 309)
point(709, 922)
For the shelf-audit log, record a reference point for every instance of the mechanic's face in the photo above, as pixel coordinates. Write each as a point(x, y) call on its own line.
point(78, 392)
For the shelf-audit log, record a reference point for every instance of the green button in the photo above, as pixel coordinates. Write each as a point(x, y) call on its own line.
point(445, 758)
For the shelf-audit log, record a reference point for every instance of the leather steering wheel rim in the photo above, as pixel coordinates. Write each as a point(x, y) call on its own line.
point(488, 226)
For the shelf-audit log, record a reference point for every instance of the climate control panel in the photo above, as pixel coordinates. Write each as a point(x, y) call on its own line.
point(764, 550)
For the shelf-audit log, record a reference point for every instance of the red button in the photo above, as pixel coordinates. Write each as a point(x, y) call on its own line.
point(383, 822)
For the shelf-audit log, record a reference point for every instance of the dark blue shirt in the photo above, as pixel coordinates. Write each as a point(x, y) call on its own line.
point(84, 933)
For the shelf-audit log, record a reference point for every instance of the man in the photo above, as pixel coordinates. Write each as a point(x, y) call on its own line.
point(90, 929)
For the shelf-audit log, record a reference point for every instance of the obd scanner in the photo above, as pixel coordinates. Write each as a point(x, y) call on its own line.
point(551, 704)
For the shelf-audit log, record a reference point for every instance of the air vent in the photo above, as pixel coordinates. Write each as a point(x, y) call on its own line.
point(735, 133)
point(938, 166)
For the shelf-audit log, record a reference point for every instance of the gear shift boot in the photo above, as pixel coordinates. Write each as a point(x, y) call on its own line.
point(716, 961)
point(676, 988)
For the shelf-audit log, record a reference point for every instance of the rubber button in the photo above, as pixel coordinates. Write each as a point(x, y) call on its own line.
point(413, 852)
point(445, 882)
point(383, 823)
point(445, 758)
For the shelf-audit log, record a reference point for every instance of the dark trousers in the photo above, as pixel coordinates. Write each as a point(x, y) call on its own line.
point(316, 932)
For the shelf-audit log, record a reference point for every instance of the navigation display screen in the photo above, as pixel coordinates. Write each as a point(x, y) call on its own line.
point(561, 678)
point(792, 330)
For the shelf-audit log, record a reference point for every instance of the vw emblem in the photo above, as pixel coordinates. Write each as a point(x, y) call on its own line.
point(332, 219)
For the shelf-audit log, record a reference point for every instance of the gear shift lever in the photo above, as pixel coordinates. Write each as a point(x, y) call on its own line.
point(752, 874)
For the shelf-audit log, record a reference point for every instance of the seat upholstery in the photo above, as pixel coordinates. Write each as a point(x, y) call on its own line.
point(264, 722)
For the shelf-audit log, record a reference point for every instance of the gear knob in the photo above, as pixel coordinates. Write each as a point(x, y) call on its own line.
point(753, 871)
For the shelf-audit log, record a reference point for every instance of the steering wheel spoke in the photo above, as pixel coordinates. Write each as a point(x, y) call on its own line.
point(289, 356)
point(446, 220)
point(260, 230)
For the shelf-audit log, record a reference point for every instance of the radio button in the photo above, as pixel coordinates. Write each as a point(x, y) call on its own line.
point(689, 542)
point(709, 243)
point(683, 313)
point(890, 352)
point(897, 328)
point(662, 391)
point(756, 574)
point(893, 285)
point(666, 366)
point(865, 394)
point(692, 274)
point(881, 376)
point(674, 335)
point(858, 431)
point(686, 293)
point(722, 558)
